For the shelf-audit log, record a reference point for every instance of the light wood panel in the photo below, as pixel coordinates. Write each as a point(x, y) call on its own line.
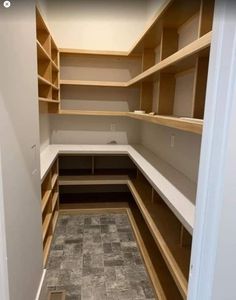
point(168, 286)
point(148, 59)
point(93, 83)
point(146, 95)
point(166, 94)
point(206, 16)
point(200, 83)
point(92, 113)
point(148, 262)
point(169, 42)
point(49, 207)
point(46, 224)
point(45, 199)
point(47, 249)
point(174, 60)
point(48, 67)
point(92, 52)
point(170, 260)
point(185, 124)
point(93, 180)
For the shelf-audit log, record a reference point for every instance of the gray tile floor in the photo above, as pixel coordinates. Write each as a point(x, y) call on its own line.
point(95, 257)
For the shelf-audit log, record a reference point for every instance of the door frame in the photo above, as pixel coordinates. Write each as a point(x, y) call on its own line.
point(214, 239)
point(4, 288)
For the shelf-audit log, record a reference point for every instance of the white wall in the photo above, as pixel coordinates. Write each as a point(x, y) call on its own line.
point(184, 156)
point(20, 163)
point(45, 131)
point(93, 130)
point(100, 25)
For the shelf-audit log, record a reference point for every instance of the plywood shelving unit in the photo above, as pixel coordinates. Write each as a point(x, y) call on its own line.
point(48, 68)
point(171, 238)
point(49, 207)
point(163, 59)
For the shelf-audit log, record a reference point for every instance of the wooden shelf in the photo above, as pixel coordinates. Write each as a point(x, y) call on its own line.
point(177, 62)
point(93, 83)
point(54, 87)
point(185, 124)
point(46, 249)
point(93, 180)
point(92, 52)
point(42, 80)
point(54, 200)
point(54, 220)
point(54, 66)
point(46, 224)
point(92, 113)
point(54, 180)
point(45, 199)
point(42, 53)
point(164, 248)
point(48, 100)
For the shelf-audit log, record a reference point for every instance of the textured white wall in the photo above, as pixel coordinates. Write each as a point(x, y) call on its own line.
point(19, 131)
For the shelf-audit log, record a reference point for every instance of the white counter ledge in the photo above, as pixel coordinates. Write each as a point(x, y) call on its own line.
point(176, 189)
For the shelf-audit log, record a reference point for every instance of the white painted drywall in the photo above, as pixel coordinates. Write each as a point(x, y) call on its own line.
point(93, 130)
point(19, 132)
point(184, 156)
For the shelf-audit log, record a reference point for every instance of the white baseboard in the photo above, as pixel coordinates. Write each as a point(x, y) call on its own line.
point(40, 284)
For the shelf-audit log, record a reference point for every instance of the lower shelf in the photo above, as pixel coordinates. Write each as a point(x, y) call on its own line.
point(46, 224)
point(93, 180)
point(46, 249)
point(164, 228)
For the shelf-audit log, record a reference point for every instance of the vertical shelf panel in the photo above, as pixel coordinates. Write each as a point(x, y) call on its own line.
point(148, 59)
point(200, 83)
point(169, 42)
point(206, 16)
point(146, 88)
point(166, 94)
point(146, 96)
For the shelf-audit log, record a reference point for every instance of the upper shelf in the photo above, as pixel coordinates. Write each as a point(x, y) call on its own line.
point(183, 59)
point(92, 52)
point(168, 17)
point(93, 83)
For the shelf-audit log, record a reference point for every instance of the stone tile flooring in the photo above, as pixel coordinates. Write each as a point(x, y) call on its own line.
point(96, 257)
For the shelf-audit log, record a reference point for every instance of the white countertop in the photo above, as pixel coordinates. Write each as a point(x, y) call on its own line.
point(176, 189)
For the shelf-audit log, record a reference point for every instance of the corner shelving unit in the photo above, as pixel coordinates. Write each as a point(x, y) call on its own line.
point(48, 68)
point(161, 58)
